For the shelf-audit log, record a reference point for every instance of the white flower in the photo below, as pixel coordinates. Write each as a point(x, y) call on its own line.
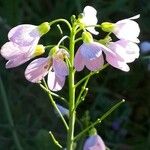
point(90, 19)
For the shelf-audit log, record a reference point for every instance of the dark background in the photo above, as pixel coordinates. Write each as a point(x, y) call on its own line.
point(128, 128)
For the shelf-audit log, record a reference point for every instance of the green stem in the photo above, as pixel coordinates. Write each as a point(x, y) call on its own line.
point(99, 120)
point(89, 75)
point(54, 140)
point(61, 20)
point(56, 108)
point(9, 116)
point(72, 113)
point(54, 94)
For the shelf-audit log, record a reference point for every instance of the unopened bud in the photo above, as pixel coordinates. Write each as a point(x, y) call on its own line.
point(107, 26)
point(44, 28)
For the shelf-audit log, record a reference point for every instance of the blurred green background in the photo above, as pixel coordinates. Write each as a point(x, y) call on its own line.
point(128, 128)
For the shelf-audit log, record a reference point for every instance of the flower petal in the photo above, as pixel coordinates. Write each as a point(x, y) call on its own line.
point(90, 50)
point(37, 69)
point(60, 67)
point(78, 61)
point(55, 82)
point(15, 54)
point(117, 63)
point(24, 35)
point(127, 29)
point(94, 142)
point(95, 64)
point(90, 12)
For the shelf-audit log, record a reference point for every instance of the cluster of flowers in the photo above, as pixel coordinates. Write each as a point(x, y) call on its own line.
point(23, 46)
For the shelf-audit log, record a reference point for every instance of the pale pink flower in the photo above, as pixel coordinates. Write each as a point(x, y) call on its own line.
point(89, 55)
point(24, 35)
point(22, 45)
point(127, 29)
point(94, 142)
point(54, 66)
point(123, 52)
point(90, 19)
point(17, 55)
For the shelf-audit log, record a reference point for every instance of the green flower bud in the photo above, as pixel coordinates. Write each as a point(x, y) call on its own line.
point(44, 28)
point(107, 26)
point(53, 50)
point(87, 37)
point(73, 19)
point(92, 132)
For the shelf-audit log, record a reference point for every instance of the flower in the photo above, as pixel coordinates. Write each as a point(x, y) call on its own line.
point(123, 52)
point(53, 65)
point(17, 55)
point(23, 44)
point(89, 55)
point(94, 142)
point(127, 29)
point(89, 12)
point(27, 34)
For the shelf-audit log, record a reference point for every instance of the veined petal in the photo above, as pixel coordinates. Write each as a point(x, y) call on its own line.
point(37, 69)
point(15, 54)
point(60, 67)
point(127, 29)
point(90, 50)
point(78, 61)
point(24, 35)
point(94, 142)
point(95, 64)
point(117, 63)
point(55, 82)
point(90, 12)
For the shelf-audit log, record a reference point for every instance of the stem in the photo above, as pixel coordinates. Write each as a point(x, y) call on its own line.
point(99, 120)
point(9, 116)
point(55, 106)
point(54, 94)
point(72, 113)
point(54, 140)
point(61, 20)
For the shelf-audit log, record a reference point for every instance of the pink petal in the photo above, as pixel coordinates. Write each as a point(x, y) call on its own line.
point(24, 35)
point(15, 54)
point(95, 64)
point(94, 142)
point(78, 61)
point(55, 82)
point(90, 50)
point(60, 67)
point(127, 29)
point(125, 50)
point(117, 63)
point(37, 69)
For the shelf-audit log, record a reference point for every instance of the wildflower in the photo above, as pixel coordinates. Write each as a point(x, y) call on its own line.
point(54, 66)
point(126, 29)
point(89, 54)
point(23, 44)
point(17, 55)
point(26, 34)
point(89, 19)
point(94, 142)
point(123, 52)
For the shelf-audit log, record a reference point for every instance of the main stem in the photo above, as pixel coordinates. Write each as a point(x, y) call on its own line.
point(72, 113)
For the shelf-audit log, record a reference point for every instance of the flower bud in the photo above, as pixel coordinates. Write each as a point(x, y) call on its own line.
point(94, 142)
point(39, 50)
point(87, 37)
point(44, 28)
point(53, 50)
point(107, 26)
